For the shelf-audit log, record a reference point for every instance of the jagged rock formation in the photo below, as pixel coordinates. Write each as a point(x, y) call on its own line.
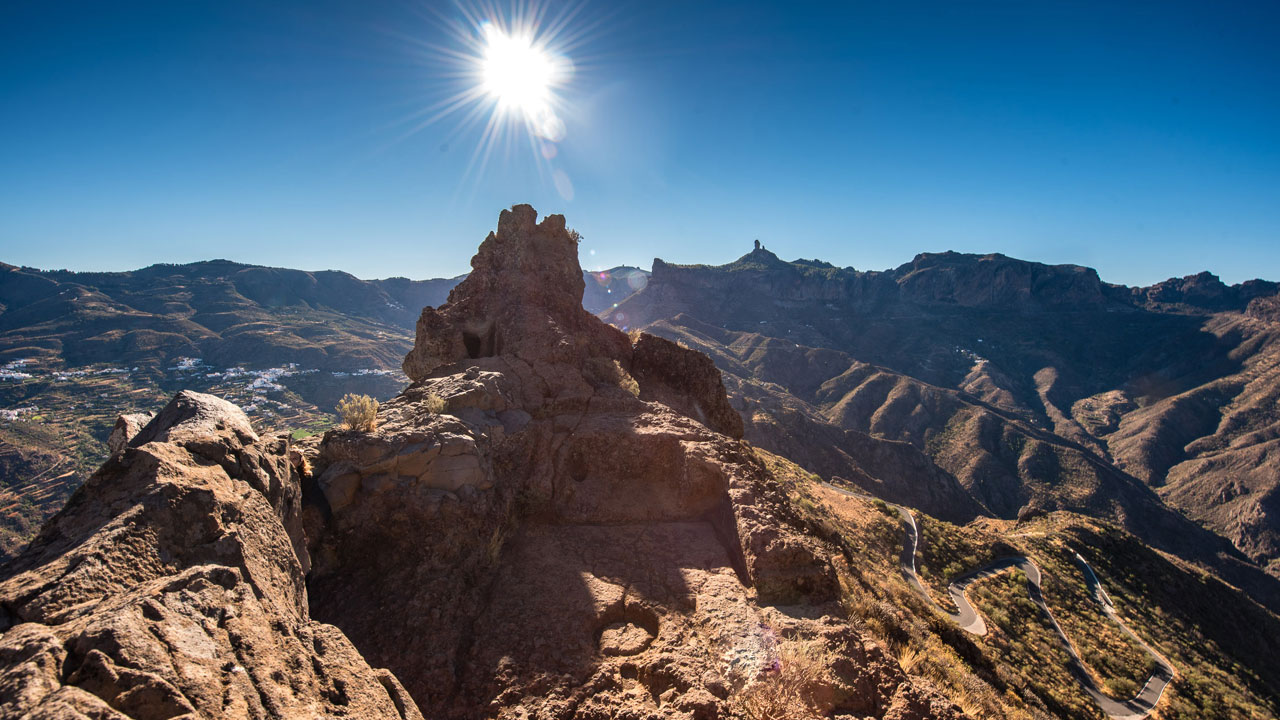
point(172, 585)
point(90, 345)
point(523, 298)
point(551, 522)
point(687, 381)
point(564, 541)
point(125, 429)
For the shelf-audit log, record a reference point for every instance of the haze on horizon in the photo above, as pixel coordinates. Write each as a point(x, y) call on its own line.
point(1137, 138)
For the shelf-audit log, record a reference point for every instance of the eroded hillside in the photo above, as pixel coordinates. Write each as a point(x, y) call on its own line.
point(1030, 387)
point(557, 519)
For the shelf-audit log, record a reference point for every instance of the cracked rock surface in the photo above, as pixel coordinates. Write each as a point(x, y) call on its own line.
point(171, 585)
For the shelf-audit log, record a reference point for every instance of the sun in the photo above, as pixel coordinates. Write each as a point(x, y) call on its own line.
point(520, 76)
point(507, 75)
point(515, 73)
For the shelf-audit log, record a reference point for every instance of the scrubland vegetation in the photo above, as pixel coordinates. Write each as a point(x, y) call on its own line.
point(1019, 669)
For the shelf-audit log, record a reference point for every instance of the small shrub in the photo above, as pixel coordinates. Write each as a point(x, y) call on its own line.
point(434, 404)
point(358, 412)
point(605, 371)
point(908, 658)
point(575, 236)
point(496, 541)
point(792, 686)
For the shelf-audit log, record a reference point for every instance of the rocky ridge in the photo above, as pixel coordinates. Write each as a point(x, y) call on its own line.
point(929, 281)
point(172, 585)
point(605, 550)
point(551, 522)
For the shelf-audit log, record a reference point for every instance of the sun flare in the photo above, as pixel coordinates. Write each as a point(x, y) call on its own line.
point(508, 76)
point(516, 74)
point(520, 77)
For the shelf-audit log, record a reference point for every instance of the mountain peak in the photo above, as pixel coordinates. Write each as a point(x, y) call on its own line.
point(759, 256)
point(523, 297)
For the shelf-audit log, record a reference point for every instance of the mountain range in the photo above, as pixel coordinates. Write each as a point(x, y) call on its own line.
point(78, 348)
point(986, 385)
point(972, 486)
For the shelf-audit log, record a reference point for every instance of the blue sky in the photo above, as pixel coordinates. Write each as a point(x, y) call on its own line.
point(1139, 138)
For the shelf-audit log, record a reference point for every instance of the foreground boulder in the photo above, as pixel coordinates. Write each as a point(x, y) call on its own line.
point(552, 522)
point(172, 585)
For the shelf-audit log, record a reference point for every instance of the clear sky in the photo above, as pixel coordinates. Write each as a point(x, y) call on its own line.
point(1141, 138)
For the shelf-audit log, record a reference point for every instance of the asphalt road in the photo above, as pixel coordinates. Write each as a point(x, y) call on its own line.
point(967, 618)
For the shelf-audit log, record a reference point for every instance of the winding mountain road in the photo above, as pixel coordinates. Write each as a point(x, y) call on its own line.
point(967, 618)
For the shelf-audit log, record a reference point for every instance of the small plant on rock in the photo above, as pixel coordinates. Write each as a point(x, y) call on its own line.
point(606, 371)
point(434, 404)
point(358, 412)
point(790, 690)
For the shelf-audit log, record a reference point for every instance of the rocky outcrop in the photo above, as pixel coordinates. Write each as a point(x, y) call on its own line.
point(684, 379)
point(172, 585)
point(126, 427)
point(525, 535)
point(1265, 308)
point(522, 298)
point(1203, 291)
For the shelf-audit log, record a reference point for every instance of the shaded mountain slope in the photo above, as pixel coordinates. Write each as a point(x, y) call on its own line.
point(1035, 387)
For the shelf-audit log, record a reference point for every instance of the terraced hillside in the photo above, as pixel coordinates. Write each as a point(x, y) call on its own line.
point(76, 349)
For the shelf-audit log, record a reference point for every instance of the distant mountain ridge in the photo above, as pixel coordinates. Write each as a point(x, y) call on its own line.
point(228, 312)
point(950, 279)
point(1027, 387)
point(76, 348)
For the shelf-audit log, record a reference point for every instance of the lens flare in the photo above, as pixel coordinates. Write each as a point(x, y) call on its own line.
point(507, 73)
point(517, 75)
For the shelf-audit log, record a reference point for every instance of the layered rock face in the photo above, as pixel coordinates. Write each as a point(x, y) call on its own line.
point(577, 533)
point(171, 585)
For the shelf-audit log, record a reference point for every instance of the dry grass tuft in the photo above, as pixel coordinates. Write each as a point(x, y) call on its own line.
point(909, 658)
point(434, 404)
point(606, 371)
point(790, 689)
point(358, 412)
